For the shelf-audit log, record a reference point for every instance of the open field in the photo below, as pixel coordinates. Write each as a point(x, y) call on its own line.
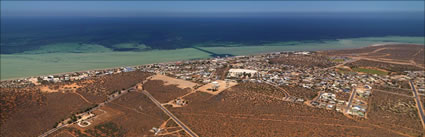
point(12, 98)
point(133, 114)
point(404, 91)
point(173, 81)
point(138, 114)
point(164, 93)
point(397, 54)
point(105, 85)
point(304, 61)
point(300, 92)
point(382, 65)
point(241, 111)
point(104, 129)
point(370, 71)
point(35, 118)
point(35, 112)
point(395, 112)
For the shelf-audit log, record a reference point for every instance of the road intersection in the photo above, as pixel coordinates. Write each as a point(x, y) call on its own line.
point(175, 119)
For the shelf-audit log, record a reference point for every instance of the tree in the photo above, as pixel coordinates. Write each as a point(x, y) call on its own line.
point(74, 118)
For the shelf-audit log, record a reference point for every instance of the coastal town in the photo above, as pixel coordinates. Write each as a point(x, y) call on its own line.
point(327, 82)
point(212, 68)
point(259, 69)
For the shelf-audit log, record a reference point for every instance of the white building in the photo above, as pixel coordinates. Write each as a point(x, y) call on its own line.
point(302, 53)
point(241, 72)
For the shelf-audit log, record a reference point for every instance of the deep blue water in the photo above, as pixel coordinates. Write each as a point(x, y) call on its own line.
point(20, 34)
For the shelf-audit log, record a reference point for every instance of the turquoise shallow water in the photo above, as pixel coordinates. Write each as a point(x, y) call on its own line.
point(30, 64)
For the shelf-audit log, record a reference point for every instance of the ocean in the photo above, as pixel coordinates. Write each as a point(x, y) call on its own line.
point(20, 34)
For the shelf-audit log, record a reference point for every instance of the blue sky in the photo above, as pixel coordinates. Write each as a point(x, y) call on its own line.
point(176, 8)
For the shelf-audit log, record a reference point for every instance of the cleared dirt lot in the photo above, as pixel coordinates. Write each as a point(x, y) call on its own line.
point(173, 81)
point(60, 87)
point(223, 86)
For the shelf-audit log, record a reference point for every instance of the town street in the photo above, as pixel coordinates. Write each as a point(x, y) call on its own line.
point(418, 104)
point(353, 93)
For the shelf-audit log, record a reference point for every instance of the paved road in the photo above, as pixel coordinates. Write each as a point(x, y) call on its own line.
point(181, 124)
point(45, 134)
point(418, 103)
point(353, 93)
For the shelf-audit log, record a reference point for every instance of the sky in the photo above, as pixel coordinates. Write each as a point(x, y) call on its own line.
point(179, 8)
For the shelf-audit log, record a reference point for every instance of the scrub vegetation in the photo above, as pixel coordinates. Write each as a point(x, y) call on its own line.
point(370, 71)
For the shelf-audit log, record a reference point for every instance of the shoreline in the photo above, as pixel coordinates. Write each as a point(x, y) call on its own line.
point(62, 73)
point(248, 54)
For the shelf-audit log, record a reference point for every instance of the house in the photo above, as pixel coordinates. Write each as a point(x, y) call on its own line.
point(215, 86)
point(338, 108)
point(367, 87)
point(329, 106)
point(180, 102)
point(128, 69)
point(314, 103)
point(328, 96)
point(55, 80)
point(302, 53)
point(300, 100)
